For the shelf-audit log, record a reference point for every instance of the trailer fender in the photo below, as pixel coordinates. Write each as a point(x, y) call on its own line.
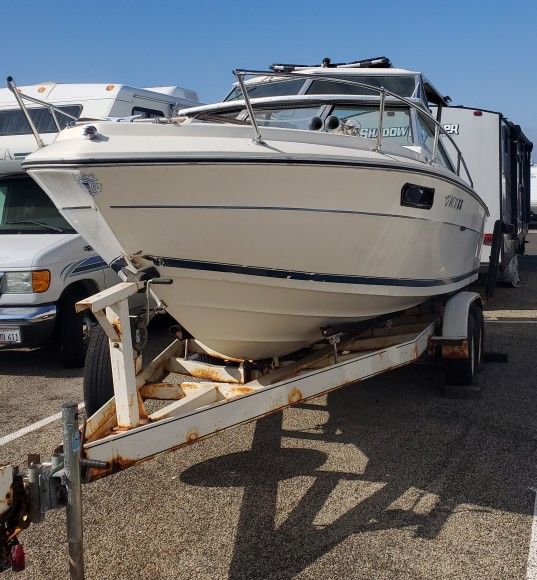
point(456, 313)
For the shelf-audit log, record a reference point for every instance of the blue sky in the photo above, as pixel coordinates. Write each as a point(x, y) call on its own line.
point(480, 53)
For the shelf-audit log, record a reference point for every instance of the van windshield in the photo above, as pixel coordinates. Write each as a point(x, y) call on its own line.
point(25, 208)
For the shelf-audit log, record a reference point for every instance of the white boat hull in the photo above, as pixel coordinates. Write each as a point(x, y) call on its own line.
point(264, 253)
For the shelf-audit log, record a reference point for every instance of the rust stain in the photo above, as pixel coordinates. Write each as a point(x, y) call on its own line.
point(239, 391)
point(116, 325)
point(295, 396)
point(213, 375)
point(190, 386)
point(144, 419)
point(455, 350)
point(192, 435)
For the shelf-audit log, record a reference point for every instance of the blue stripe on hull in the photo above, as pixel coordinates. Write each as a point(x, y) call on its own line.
point(305, 276)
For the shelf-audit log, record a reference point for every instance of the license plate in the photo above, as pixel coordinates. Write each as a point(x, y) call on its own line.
point(10, 335)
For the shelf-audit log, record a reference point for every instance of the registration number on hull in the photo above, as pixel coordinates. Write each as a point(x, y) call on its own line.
point(10, 336)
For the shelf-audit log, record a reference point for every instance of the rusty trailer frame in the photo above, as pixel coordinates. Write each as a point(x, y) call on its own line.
point(123, 432)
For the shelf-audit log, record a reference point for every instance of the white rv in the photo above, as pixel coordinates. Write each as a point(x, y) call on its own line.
point(45, 266)
point(533, 194)
point(498, 155)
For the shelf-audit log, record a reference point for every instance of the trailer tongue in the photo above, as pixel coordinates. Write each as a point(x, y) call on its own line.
point(123, 433)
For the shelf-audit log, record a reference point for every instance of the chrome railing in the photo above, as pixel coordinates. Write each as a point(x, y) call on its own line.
point(381, 91)
point(21, 97)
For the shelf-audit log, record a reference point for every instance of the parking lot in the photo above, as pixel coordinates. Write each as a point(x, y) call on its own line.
point(381, 479)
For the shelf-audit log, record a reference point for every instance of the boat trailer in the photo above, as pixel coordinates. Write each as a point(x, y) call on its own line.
point(123, 432)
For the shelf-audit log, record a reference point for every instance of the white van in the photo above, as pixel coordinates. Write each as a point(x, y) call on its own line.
point(45, 266)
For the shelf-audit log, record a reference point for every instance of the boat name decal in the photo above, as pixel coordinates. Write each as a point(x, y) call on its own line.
point(386, 132)
point(453, 202)
point(89, 182)
point(451, 129)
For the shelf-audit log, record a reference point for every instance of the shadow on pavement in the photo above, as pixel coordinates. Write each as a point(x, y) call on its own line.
point(46, 361)
point(411, 444)
point(37, 362)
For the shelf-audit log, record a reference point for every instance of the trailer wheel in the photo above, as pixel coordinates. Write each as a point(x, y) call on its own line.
point(74, 331)
point(98, 385)
point(461, 372)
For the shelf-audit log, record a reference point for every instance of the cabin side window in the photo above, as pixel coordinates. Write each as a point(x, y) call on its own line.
point(363, 121)
point(426, 140)
point(145, 113)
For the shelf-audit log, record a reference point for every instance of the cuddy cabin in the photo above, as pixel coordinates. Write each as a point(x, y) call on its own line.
point(345, 102)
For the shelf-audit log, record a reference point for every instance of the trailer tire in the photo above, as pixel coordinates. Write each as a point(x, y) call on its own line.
point(98, 385)
point(461, 372)
point(74, 331)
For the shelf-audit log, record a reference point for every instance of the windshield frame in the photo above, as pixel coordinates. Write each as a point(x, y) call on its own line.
point(309, 82)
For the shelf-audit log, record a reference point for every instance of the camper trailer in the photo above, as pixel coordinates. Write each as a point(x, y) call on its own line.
point(533, 194)
point(498, 155)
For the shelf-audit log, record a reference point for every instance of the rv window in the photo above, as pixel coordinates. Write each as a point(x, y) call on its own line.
point(13, 122)
point(147, 113)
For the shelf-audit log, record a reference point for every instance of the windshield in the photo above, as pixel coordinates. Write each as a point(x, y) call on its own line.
point(275, 88)
point(13, 121)
point(25, 208)
point(403, 85)
point(355, 120)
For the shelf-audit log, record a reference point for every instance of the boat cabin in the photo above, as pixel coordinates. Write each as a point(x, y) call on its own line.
point(373, 72)
point(343, 99)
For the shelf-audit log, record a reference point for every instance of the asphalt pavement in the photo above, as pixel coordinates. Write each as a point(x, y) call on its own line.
point(381, 479)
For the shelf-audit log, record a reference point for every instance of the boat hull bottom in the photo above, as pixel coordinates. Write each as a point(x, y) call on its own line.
point(253, 322)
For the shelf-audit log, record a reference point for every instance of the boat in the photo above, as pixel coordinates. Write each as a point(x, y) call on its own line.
point(311, 197)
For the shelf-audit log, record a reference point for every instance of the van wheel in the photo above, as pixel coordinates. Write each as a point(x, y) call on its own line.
point(98, 385)
point(74, 331)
